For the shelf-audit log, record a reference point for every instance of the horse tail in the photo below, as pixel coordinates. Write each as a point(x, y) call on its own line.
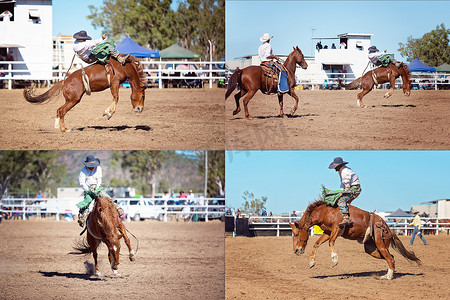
point(397, 245)
point(28, 93)
point(352, 85)
point(233, 82)
point(81, 247)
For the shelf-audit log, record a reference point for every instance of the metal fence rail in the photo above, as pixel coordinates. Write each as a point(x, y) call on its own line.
point(277, 224)
point(23, 208)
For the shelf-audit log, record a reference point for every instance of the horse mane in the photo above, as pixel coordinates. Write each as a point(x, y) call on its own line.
point(311, 207)
point(140, 72)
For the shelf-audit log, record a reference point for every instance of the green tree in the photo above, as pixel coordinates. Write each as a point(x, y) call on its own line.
point(143, 166)
point(148, 22)
point(252, 205)
point(216, 171)
point(35, 170)
point(200, 22)
point(432, 48)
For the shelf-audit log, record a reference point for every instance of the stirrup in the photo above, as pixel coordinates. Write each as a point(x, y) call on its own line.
point(345, 222)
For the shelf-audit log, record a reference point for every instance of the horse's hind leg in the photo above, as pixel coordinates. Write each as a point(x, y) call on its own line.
point(109, 112)
point(247, 98)
point(383, 246)
point(322, 239)
point(238, 96)
point(360, 96)
point(127, 242)
point(61, 112)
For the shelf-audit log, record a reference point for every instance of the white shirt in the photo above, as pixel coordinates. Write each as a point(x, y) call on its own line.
point(83, 49)
point(88, 178)
point(265, 50)
point(348, 178)
point(6, 16)
point(373, 57)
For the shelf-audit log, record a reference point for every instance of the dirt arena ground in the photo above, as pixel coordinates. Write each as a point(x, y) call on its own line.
point(329, 120)
point(267, 268)
point(174, 261)
point(173, 119)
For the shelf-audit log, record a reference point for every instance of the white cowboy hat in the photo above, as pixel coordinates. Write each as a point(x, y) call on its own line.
point(265, 37)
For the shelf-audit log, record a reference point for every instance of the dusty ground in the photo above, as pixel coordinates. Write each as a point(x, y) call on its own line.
point(328, 120)
point(174, 261)
point(173, 119)
point(267, 268)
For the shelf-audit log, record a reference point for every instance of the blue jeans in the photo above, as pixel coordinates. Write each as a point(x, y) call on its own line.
point(416, 232)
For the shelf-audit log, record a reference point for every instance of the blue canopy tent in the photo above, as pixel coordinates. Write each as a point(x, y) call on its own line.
point(417, 66)
point(128, 46)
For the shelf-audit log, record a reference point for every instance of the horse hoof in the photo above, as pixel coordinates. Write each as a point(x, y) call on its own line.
point(108, 115)
point(132, 257)
point(65, 130)
point(312, 264)
point(282, 115)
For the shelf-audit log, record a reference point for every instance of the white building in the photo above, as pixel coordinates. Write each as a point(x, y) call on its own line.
point(441, 208)
point(327, 64)
point(28, 36)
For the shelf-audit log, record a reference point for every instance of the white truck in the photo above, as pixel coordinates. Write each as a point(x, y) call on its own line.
point(138, 209)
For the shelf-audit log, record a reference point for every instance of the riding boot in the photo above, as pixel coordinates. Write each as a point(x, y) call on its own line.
point(123, 59)
point(346, 221)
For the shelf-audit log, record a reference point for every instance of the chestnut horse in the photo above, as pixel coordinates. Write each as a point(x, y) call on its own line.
point(252, 78)
point(369, 229)
point(105, 225)
point(73, 87)
point(378, 76)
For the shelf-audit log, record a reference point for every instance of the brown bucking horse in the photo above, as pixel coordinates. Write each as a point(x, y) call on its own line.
point(100, 78)
point(105, 225)
point(251, 79)
point(367, 228)
point(378, 76)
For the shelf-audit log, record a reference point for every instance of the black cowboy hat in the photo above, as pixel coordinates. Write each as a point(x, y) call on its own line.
point(91, 161)
point(81, 35)
point(373, 49)
point(338, 161)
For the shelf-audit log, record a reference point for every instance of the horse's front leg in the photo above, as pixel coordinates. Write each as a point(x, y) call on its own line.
point(391, 90)
point(113, 255)
point(93, 244)
point(109, 112)
point(322, 239)
point(294, 95)
point(280, 101)
point(333, 236)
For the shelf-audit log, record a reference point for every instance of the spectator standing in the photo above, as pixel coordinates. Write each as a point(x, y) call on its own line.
point(333, 46)
point(6, 16)
point(416, 223)
point(343, 45)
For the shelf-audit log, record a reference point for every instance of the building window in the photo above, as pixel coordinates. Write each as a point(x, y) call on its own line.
point(359, 45)
point(35, 16)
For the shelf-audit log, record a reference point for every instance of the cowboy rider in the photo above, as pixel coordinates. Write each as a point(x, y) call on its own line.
point(375, 57)
point(265, 50)
point(349, 183)
point(84, 44)
point(90, 179)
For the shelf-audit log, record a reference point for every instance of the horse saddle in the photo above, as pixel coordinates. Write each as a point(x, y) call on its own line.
point(278, 75)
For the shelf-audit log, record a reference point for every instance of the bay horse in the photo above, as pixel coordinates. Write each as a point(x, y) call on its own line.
point(251, 79)
point(100, 78)
point(378, 76)
point(105, 225)
point(368, 229)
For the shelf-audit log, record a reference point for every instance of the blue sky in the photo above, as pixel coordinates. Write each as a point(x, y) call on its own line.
point(291, 23)
point(292, 179)
point(71, 16)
